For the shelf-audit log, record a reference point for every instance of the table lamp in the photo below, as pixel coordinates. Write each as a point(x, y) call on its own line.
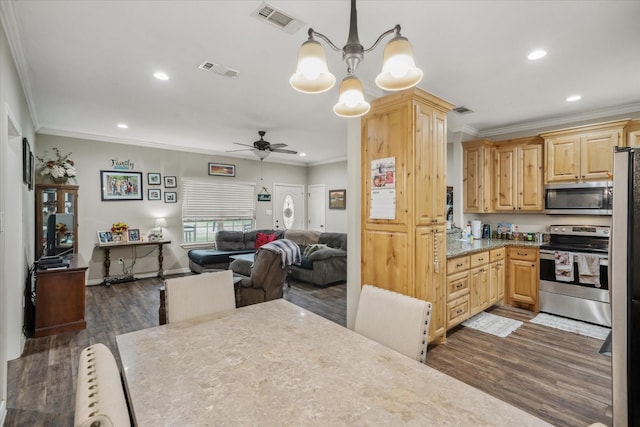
point(161, 222)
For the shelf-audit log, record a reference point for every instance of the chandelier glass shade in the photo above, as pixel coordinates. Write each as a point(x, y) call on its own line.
point(312, 75)
point(351, 102)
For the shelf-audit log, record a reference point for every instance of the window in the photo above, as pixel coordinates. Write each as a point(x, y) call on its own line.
point(209, 206)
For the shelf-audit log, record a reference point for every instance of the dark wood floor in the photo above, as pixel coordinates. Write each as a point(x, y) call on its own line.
point(555, 375)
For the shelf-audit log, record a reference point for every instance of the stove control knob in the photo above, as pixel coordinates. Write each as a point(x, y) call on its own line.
point(605, 231)
point(564, 229)
point(555, 229)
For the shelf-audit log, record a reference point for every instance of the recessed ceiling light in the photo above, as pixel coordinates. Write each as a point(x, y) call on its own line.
point(123, 126)
point(573, 98)
point(303, 154)
point(537, 54)
point(161, 76)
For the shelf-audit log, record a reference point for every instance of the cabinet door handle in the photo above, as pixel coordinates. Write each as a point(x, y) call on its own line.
point(533, 265)
point(525, 254)
point(459, 265)
point(459, 311)
point(480, 259)
point(459, 285)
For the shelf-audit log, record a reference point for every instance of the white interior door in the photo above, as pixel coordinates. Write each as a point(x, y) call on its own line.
point(288, 207)
point(316, 207)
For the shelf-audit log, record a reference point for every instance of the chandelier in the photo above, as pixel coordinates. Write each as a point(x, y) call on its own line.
point(312, 75)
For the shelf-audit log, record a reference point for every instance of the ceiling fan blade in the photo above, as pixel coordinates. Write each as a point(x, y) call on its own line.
point(246, 145)
point(278, 146)
point(281, 150)
point(242, 149)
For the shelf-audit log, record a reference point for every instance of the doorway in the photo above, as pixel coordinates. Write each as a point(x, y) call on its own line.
point(316, 207)
point(288, 207)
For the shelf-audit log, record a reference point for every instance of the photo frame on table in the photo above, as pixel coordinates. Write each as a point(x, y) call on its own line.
point(170, 182)
point(105, 237)
point(27, 163)
point(154, 194)
point(170, 197)
point(121, 185)
point(154, 178)
point(133, 234)
point(221, 169)
point(337, 199)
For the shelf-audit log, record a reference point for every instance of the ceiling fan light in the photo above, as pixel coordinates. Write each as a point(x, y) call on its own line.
point(312, 74)
point(399, 69)
point(351, 102)
point(262, 154)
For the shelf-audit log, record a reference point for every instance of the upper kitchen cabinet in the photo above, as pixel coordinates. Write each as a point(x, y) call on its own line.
point(583, 153)
point(476, 176)
point(518, 175)
point(632, 131)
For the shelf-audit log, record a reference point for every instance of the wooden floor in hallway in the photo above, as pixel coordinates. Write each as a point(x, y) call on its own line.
point(555, 375)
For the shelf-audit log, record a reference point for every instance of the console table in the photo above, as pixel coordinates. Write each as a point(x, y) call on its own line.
point(107, 254)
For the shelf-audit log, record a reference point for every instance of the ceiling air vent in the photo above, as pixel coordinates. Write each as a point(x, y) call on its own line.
point(218, 69)
point(462, 110)
point(270, 14)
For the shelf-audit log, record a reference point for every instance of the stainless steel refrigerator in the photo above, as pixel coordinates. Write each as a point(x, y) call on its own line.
point(625, 288)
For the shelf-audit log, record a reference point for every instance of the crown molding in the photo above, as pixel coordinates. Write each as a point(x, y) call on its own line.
point(560, 121)
point(158, 145)
point(10, 24)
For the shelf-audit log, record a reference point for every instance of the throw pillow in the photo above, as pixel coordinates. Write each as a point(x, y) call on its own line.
point(262, 239)
point(313, 248)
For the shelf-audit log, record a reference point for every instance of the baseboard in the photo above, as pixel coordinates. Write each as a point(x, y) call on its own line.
point(100, 281)
point(3, 411)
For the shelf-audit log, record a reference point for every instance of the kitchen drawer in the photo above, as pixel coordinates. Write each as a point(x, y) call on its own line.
point(497, 254)
point(457, 285)
point(523, 254)
point(458, 264)
point(480, 258)
point(457, 311)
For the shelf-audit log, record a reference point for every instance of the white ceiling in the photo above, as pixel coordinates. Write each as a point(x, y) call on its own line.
point(87, 65)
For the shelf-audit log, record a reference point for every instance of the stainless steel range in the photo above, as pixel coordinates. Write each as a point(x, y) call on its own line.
point(574, 273)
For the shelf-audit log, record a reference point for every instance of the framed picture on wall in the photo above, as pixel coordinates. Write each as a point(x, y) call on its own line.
point(170, 182)
point(27, 163)
point(170, 197)
point(220, 169)
point(337, 199)
point(154, 194)
point(121, 185)
point(153, 178)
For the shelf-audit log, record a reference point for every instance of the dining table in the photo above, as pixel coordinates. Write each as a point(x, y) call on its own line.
point(276, 363)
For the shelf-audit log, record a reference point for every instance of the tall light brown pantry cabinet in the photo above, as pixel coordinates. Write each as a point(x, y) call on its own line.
point(405, 252)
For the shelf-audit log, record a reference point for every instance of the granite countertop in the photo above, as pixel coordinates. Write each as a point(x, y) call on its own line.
point(277, 364)
point(457, 247)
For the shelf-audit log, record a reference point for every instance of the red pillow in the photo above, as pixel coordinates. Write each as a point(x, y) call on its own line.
point(262, 238)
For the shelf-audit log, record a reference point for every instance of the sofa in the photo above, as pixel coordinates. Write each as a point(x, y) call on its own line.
point(228, 243)
point(324, 255)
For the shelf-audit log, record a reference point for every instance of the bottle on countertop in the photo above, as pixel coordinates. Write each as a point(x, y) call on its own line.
point(467, 231)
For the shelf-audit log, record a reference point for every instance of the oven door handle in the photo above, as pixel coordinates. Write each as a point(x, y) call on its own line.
point(550, 255)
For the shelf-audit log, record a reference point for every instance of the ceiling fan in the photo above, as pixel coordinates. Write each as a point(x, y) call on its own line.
point(263, 148)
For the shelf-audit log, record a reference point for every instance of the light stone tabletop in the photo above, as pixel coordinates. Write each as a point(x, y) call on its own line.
point(277, 364)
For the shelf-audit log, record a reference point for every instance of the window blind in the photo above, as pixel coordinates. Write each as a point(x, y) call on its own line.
point(208, 201)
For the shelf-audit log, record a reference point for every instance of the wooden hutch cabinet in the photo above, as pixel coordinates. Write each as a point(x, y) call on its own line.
point(406, 251)
point(50, 199)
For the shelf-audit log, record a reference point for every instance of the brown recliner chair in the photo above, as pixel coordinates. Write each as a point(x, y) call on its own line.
point(262, 282)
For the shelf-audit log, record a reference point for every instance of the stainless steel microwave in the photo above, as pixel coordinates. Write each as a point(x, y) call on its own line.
point(585, 198)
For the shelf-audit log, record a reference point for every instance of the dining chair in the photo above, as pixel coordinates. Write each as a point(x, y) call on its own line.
point(100, 399)
point(395, 320)
point(192, 296)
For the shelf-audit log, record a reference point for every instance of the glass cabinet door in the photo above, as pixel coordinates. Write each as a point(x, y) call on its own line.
point(61, 200)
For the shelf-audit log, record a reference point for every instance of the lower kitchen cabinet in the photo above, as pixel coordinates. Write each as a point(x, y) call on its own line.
point(497, 275)
point(471, 286)
point(523, 277)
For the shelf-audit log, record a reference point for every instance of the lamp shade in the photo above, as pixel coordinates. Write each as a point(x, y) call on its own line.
point(351, 102)
point(262, 154)
point(399, 70)
point(161, 222)
point(312, 74)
